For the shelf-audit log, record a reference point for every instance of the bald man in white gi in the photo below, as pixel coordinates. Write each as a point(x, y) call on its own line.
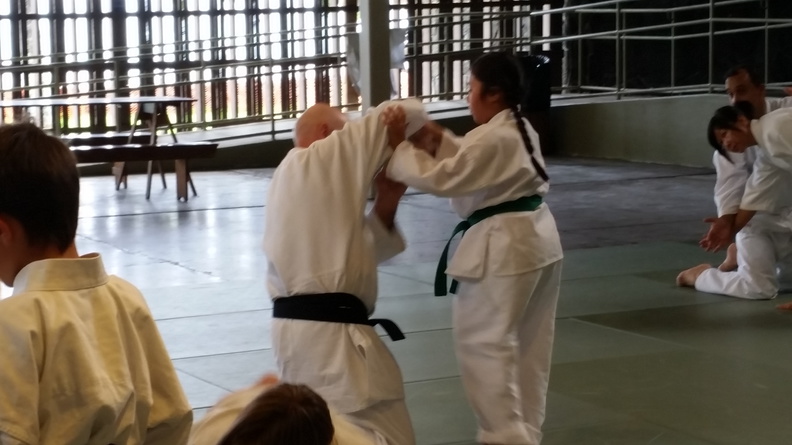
point(322, 251)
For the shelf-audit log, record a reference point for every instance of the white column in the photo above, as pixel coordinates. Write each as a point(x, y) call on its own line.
point(375, 83)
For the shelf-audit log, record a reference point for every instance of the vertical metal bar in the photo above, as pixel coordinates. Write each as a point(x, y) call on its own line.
point(766, 42)
point(618, 51)
point(623, 61)
point(19, 47)
point(580, 51)
point(202, 93)
point(711, 50)
point(272, 100)
point(375, 83)
point(673, 49)
point(60, 115)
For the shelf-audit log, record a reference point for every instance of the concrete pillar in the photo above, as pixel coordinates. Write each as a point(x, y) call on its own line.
point(375, 83)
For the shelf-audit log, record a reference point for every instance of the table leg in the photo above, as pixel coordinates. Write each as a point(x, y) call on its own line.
point(182, 178)
point(119, 172)
point(119, 168)
point(192, 184)
point(148, 180)
point(153, 124)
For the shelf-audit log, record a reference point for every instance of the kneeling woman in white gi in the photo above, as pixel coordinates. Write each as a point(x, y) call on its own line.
point(767, 190)
point(509, 261)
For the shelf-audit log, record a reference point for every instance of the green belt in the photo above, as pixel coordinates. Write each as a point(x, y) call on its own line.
point(524, 204)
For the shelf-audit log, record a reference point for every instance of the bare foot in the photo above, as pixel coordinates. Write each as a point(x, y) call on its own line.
point(785, 306)
point(688, 277)
point(730, 263)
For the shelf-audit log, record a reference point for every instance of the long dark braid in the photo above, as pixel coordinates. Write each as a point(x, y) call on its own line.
point(524, 133)
point(500, 72)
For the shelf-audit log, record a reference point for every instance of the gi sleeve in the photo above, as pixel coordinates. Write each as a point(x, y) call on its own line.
point(730, 181)
point(170, 418)
point(478, 163)
point(387, 243)
point(779, 143)
point(22, 349)
point(6, 439)
point(368, 135)
point(762, 186)
point(774, 103)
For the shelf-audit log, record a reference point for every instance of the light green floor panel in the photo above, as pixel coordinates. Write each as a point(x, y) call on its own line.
point(426, 356)
point(750, 330)
point(579, 341)
point(619, 433)
point(440, 412)
point(230, 371)
point(714, 398)
point(422, 272)
point(394, 286)
point(206, 299)
point(620, 293)
point(634, 259)
point(200, 393)
point(217, 334)
point(564, 412)
point(415, 313)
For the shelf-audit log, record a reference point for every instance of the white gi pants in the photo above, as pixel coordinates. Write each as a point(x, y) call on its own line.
point(503, 333)
point(764, 262)
point(350, 366)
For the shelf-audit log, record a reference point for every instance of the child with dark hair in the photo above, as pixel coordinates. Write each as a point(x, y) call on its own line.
point(275, 413)
point(508, 264)
point(83, 361)
point(282, 414)
point(727, 118)
point(750, 269)
point(733, 129)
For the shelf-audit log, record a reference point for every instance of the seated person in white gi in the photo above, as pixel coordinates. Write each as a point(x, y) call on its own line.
point(322, 252)
point(275, 413)
point(82, 359)
point(766, 203)
point(750, 270)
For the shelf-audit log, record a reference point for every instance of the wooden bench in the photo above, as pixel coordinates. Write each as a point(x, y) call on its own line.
point(120, 138)
point(181, 153)
point(117, 138)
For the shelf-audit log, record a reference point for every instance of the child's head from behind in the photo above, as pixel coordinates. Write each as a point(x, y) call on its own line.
point(283, 414)
point(496, 83)
point(39, 197)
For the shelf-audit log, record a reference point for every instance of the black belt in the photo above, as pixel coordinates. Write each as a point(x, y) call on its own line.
point(331, 308)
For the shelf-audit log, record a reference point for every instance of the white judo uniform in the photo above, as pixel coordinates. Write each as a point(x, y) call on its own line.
point(217, 422)
point(83, 362)
point(319, 240)
point(763, 261)
point(509, 268)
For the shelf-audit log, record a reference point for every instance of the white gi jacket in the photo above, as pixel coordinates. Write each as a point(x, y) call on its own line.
point(318, 240)
point(83, 362)
point(490, 165)
point(732, 177)
point(768, 188)
point(217, 422)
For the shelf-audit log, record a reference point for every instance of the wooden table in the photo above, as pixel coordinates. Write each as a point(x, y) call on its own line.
point(151, 109)
point(154, 105)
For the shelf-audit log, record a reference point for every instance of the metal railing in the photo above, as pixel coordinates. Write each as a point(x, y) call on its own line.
point(595, 49)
